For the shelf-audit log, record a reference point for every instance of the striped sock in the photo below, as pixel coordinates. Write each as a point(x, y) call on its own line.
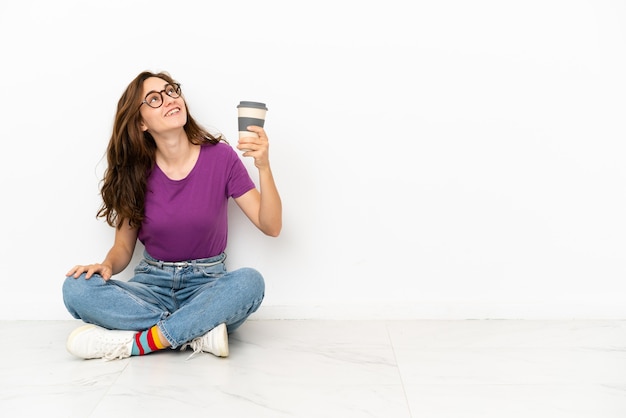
point(146, 342)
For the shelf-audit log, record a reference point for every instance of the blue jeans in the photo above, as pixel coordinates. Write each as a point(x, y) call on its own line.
point(185, 302)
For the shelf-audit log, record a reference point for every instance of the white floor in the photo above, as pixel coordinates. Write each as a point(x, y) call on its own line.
point(387, 369)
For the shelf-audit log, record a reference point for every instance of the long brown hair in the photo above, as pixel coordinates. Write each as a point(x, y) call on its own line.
point(131, 156)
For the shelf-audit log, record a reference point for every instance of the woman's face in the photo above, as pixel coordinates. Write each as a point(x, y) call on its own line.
point(162, 109)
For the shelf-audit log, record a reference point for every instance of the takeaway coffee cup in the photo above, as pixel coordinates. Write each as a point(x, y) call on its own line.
point(250, 113)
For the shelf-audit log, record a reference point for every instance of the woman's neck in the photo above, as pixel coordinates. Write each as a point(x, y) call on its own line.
point(176, 156)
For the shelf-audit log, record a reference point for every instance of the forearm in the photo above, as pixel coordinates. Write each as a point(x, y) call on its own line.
point(117, 259)
point(270, 210)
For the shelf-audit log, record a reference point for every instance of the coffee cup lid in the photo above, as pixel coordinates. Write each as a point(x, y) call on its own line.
point(257, 105)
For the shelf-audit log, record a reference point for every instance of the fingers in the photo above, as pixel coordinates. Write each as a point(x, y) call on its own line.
point(75, 271)
point(253, 143)
point(89, 271)
point(258, 130)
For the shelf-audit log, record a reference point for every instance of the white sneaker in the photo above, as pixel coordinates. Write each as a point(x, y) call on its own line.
point(91, 341)
point(214, 342)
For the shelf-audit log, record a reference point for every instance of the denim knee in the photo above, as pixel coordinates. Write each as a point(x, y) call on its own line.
point(76, 290)
point(253, 281)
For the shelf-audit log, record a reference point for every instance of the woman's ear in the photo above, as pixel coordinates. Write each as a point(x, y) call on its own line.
point(143, 126)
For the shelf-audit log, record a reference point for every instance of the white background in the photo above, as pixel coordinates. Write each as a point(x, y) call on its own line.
point(436, 159)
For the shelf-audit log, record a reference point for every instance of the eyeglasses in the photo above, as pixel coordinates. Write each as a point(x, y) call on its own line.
point(154, 99)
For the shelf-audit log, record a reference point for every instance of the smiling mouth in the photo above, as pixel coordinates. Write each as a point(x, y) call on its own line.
point(172, 112)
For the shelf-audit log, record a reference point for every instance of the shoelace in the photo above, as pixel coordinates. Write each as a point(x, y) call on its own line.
point(196, 346)
point(118, 353)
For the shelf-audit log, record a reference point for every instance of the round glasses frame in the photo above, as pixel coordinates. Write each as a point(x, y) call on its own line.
point(154, 99)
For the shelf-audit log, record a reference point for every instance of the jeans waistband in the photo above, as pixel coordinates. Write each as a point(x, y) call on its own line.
point(182, 264)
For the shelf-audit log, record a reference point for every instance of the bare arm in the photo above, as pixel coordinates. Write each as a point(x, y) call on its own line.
point(264, 207)
point(117, 258)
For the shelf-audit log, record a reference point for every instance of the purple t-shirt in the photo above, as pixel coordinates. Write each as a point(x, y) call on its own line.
point(188, 219)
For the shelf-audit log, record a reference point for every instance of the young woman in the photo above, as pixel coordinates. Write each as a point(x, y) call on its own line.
point(167, 184)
